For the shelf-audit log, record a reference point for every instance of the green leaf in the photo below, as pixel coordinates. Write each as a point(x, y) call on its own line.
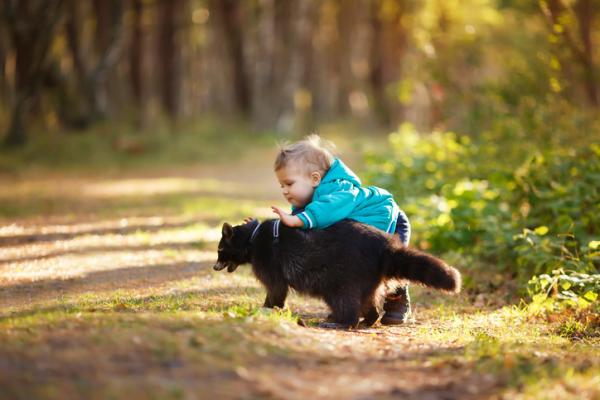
point(565, 285)
point(590, 295)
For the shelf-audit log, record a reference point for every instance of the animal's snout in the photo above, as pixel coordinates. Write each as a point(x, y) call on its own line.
point(231, 266)
point(219, 266)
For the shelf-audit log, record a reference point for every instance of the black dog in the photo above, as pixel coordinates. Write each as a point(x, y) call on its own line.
point(344, 264)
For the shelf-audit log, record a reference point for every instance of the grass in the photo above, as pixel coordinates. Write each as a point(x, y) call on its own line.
point(204, 328)
point(107, 291)
point(120, 146)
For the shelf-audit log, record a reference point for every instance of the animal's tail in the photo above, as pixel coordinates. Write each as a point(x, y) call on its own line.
point(417, 266)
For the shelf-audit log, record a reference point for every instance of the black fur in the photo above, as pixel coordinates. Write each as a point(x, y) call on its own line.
point(344, 264)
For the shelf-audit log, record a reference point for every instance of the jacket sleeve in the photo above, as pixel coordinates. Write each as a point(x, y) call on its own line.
point(329, 209)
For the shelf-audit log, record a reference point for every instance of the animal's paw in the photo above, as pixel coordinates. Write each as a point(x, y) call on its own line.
point(334, 325)
point(366, 323)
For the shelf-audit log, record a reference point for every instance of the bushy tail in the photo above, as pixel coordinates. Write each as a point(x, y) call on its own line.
point(417, 266)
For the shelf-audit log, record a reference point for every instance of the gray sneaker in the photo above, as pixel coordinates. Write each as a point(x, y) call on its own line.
point(396, 307)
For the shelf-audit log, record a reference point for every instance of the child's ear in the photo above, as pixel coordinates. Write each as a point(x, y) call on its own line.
point(227, 231)
point(315, 178)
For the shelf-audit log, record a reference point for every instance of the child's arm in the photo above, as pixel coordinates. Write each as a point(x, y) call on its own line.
point(288, 219)
point(329, 209)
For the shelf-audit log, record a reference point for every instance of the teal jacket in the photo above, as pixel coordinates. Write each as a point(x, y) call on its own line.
point(340, 195)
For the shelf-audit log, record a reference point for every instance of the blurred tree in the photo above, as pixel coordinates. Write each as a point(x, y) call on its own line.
point(298, 97)
point(170, 24)
point(387, 52)
point(261, 43)
point(285, 64)
point(137, 52)
point(3, 48)
point(228, 23)
point(137, 61)
point(579, 43)
point(31, 25)
point(92, 65)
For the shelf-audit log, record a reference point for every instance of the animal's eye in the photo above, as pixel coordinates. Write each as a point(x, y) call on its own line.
point(221, 249)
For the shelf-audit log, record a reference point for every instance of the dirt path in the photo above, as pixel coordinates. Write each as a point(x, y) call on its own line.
point(106, 290)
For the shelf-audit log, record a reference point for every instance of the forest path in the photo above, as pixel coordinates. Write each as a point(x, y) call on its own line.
point(107, 291)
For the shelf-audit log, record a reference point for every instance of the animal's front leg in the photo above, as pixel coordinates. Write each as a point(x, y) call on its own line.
point(371, 315)
point(276, 296)
point(345, 311)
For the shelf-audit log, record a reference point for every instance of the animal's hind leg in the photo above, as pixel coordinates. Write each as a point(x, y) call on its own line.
point(371, 306)
point(370, 314)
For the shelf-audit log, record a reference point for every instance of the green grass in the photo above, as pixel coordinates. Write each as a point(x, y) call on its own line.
point(115, 146)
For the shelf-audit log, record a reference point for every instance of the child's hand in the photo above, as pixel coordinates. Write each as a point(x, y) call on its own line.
point(287, 219)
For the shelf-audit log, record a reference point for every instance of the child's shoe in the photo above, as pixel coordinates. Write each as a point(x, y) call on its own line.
point(396, 307)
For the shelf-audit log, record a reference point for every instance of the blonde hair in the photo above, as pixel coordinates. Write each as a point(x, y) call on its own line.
point(312, 153)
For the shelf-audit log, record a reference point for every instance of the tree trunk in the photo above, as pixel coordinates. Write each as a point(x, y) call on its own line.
point(377, 68)
point(31, 26)
point(552, 10)
point(110, 40)
point(3, 51)
point(263, 77)
point(169, 53)
point(16, 135)
point(356, 43)
point(283, 15)
point(389, 40)
point(585, 14)
point(92, 75)
point(137, 63)
point(102, 14)
point(229, 22)
point(297, 85)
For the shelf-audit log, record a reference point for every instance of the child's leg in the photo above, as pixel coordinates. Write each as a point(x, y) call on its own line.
point(397, 304)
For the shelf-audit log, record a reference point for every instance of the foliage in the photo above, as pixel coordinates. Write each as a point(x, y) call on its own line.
point(527, 210)
point(561, 289)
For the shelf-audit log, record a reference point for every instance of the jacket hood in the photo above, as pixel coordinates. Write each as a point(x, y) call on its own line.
point(339, 170)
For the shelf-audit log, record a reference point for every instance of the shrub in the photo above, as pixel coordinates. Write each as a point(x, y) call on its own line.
point(526, 212)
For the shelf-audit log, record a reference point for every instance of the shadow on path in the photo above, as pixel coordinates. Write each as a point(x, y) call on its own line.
point(107, 249)
point(121, 278)
point(12, 240)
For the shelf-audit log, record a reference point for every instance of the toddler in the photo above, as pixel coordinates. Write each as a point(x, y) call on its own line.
point(323, 190)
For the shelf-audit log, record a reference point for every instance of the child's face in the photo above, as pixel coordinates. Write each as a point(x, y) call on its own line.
point(297, 186)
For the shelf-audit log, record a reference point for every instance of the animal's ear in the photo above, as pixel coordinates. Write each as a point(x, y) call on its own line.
point(227, 231)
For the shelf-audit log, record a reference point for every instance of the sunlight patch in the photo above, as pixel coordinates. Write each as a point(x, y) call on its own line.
point(98, 263)
point(154, 186)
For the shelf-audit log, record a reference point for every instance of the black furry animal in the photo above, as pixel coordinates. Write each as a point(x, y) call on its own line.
point(344, 264)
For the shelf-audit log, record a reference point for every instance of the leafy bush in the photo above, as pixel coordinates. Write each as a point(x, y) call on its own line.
point(569, 288)
point(527, 210)
point(454, 200)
